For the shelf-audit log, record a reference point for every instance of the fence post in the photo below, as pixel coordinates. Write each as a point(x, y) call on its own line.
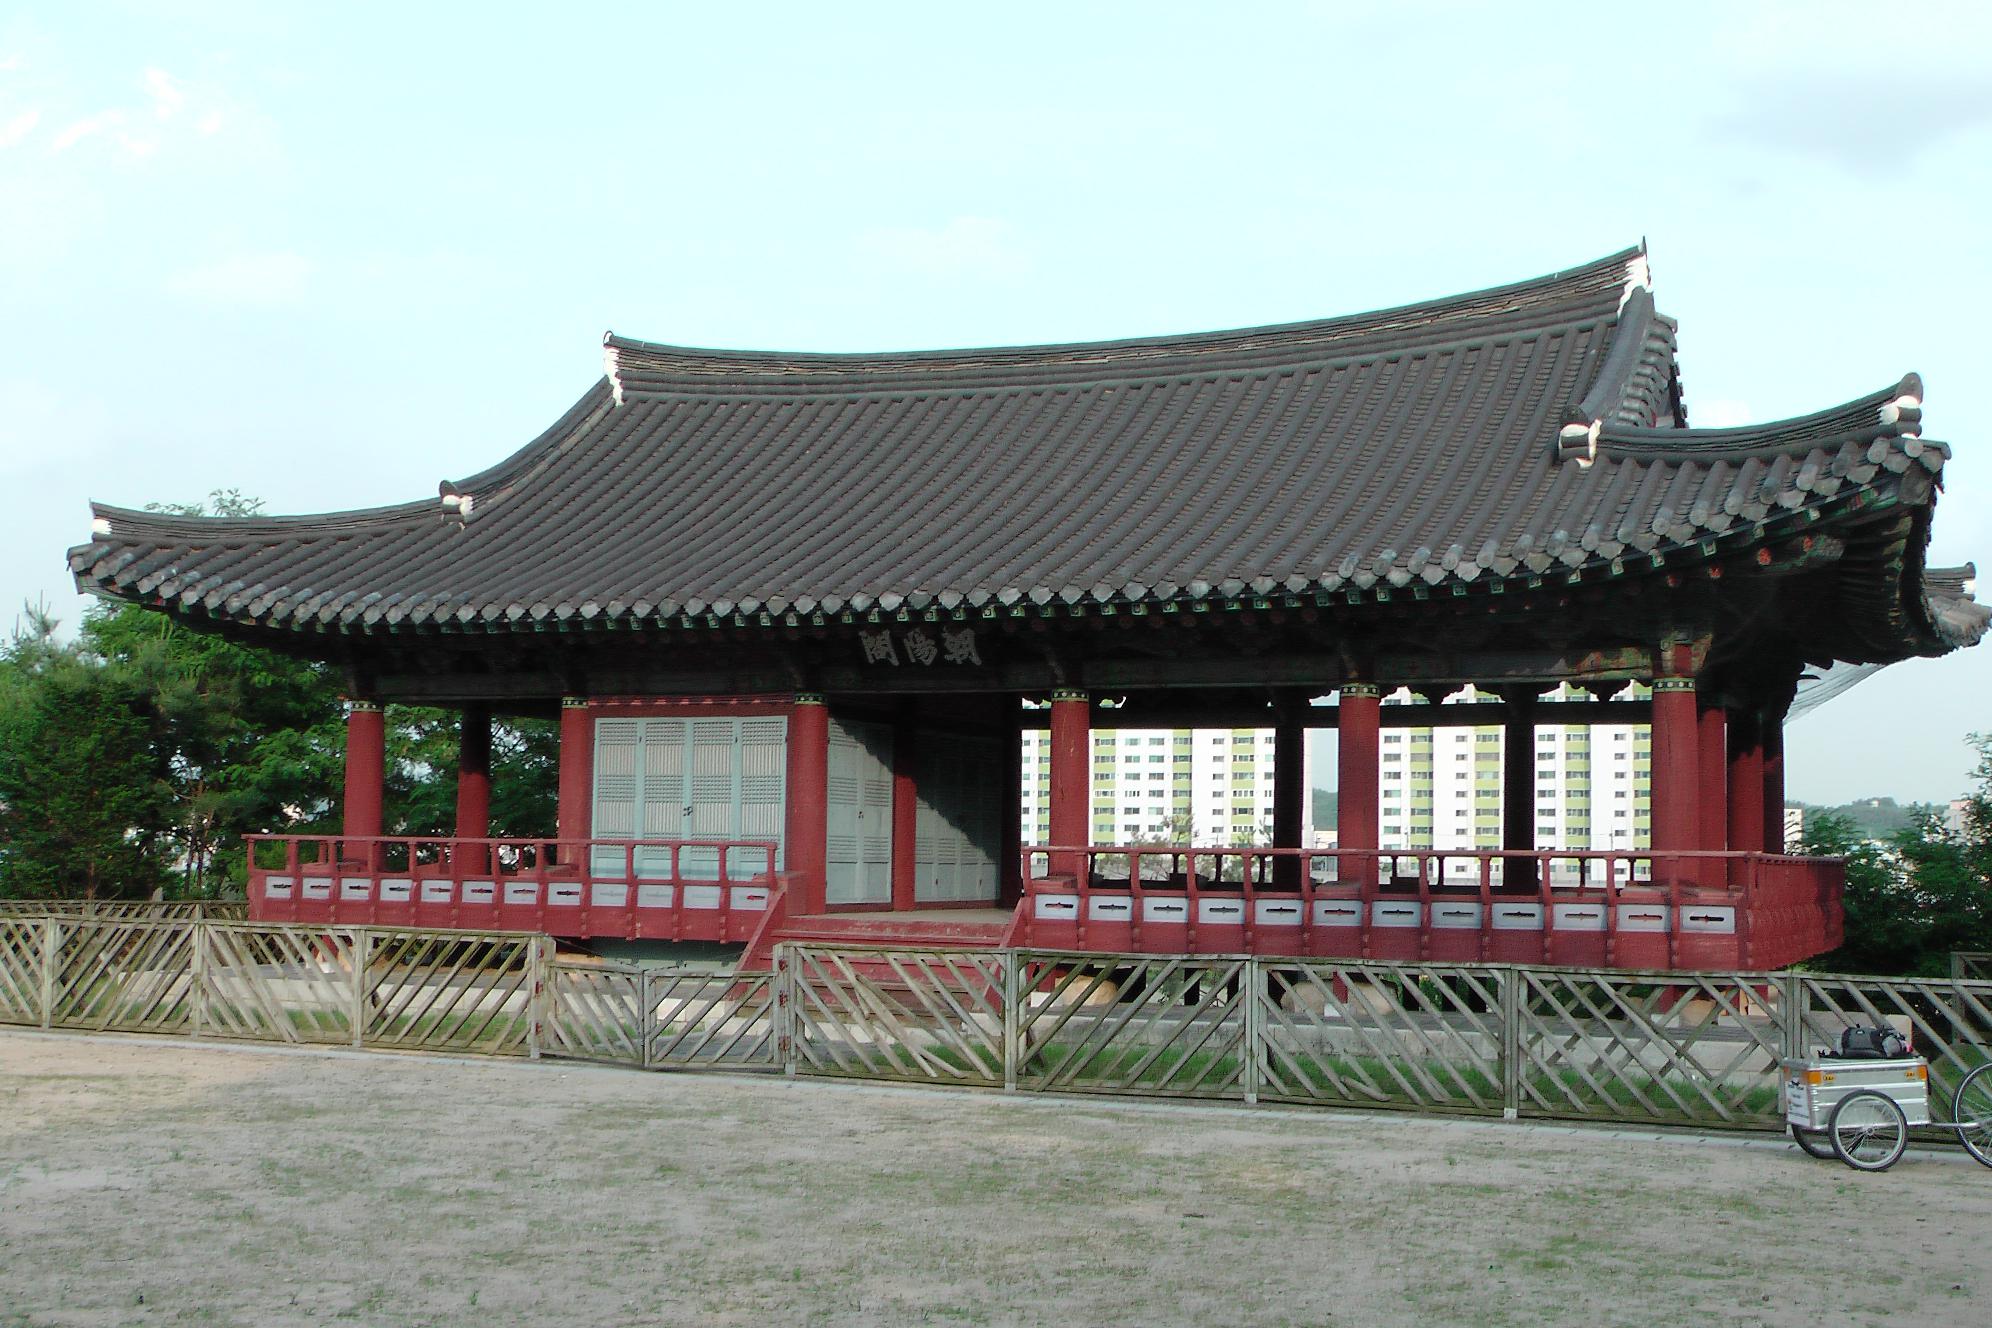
point(1012, 1023)
point(646, 1018)
point(1792, 998)
point(539, 993)
point(51, 957)
point(785, 1008)
point(1255, 1030)
point(362, 955)
point(1511, 1043)
point(1957, 965)
point(197, 977)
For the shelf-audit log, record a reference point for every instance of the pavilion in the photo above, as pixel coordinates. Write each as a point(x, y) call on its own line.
point(793, 609)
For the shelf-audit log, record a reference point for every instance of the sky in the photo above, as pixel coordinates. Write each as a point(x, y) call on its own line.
point(329, 256)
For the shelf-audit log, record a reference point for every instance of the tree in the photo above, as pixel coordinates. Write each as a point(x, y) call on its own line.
point(421, 774)
point(1924, 893)
point(246, 740)
point(81, 788)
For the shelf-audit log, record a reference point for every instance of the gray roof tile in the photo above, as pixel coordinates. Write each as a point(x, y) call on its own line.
point(1504, 432)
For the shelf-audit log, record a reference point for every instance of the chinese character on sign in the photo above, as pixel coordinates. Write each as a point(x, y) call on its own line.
point(878, 647)
point(920, 647)
point(959, 646)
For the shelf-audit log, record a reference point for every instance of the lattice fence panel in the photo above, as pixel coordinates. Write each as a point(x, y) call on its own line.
point(595, 1012)
point(1383, 1035)
point(711, 1019)
point(136, 977)
point(1133, 1024)
point(1972, 965)
point(1948, 1022)
point(1678, 1048)
point(279, 983)
point(927, 1015)
point(21, 970)
point(129, 910)
point(448, 991)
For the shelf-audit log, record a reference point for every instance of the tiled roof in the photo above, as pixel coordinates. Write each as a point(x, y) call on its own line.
point(1505, 435)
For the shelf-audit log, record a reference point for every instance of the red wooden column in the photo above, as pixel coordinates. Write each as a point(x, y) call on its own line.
point(473, 802)
point(806, 844)
point(575, 817)
point(905, 814)
point(1774, 784)
point(366, 772)
point(1071, 795)
point(1712, 780)
point(1359, 709)
point(1746, 783)
point(1518, 788)
point(1676, 811)
point(1289, 787)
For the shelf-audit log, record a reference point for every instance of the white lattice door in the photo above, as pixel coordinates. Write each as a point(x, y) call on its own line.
point(665, 781)
point(858, 857)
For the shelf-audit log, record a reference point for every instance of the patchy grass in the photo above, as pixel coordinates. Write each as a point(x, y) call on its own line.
point(244, 1187)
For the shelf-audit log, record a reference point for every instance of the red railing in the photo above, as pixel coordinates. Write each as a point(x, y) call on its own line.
point(1577, 907)
point(689, 890)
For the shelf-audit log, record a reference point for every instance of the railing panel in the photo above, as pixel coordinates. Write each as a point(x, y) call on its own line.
point(596, 1012)
point(709, 1019)
point(1671, 1048)
point(135, 977)
point(933, 1016)
point(1383, 1035)
point(1174, 1026)
point(126, 909)
point(278, 984)
point(21, 970)
point(447, 991)
point(1948, 1022)
point(1972, 965)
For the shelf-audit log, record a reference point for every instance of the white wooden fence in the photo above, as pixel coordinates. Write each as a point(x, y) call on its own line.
point(1492, 1039)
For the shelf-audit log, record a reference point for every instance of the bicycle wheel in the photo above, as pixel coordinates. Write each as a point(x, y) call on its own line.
point(1971, 1108)
point(1869, 1131)
point(1816, 1143)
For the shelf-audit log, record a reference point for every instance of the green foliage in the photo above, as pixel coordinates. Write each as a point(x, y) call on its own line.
point(421, 774)
point(1922, 894)
point(82, 790)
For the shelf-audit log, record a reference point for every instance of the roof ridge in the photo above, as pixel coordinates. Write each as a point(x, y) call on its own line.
point(1586, 286)
point(107, 519)
point(1890, 412)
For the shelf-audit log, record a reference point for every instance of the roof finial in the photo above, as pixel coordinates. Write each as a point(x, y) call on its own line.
point(1904, 414)
point(1638, 275)
point(1578, 439)
point(612, 365)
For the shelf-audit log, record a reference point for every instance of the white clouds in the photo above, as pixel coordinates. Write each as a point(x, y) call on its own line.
point(167, 98)
point(178, 112)
point(18, 128)
point(88, 126)
point(964, 245)
point(246, 279)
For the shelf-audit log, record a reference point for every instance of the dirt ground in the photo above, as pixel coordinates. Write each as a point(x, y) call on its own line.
point(163, 1182)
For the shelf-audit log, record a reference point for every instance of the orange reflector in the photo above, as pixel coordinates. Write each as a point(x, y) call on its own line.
point(1921, 1072)
point(1815, 1077)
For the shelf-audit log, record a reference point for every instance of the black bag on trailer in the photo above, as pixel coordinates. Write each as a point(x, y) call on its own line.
point(1863, 1043)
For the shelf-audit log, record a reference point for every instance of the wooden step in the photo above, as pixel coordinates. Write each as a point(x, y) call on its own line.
point(897, 929)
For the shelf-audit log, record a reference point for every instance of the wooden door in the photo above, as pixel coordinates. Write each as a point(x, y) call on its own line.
point(664, 781)
point(858, 857)
point(958, 826)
